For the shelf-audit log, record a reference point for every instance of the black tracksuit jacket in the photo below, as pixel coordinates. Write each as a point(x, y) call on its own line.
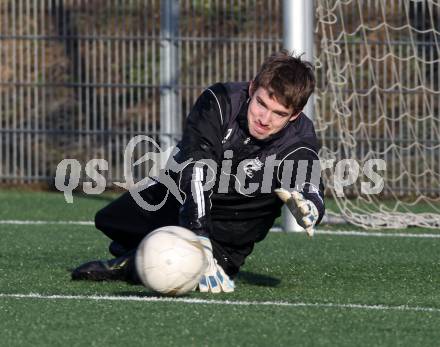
point(217, 129)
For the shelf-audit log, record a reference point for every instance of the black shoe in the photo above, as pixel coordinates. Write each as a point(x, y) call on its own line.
point(118, 269)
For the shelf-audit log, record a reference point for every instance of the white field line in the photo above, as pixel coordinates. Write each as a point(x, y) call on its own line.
point(274, 229)
point(377, 234)
point(365, 233)
point(221, 302)
point(44, 222)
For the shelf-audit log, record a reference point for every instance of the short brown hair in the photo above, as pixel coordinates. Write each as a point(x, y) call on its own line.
point(287, 78)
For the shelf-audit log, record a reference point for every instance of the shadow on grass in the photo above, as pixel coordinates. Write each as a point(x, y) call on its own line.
point(243, 276)
point(99, 197)
point(257, 279)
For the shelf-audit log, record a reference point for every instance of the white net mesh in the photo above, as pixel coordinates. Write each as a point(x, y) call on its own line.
point(378, 98)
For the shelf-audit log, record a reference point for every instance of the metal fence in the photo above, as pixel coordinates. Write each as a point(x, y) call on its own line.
point(79, 78)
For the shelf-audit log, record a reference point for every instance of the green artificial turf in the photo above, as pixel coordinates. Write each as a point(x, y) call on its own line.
point(291, 268)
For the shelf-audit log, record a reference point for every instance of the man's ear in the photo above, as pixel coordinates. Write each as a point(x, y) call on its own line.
point(294, 116)
point(251, 88)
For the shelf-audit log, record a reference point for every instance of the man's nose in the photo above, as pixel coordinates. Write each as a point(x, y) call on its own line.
point(265, 117)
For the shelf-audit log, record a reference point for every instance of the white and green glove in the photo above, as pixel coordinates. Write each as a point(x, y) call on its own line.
point(304, 211)
point(214, 280)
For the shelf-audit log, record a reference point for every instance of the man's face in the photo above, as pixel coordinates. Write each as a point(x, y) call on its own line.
point(266, 116)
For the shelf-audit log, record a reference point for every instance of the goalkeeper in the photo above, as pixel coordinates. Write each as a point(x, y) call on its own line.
point(248, 130)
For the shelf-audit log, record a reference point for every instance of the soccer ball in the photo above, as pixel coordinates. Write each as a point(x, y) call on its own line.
point(170, 260)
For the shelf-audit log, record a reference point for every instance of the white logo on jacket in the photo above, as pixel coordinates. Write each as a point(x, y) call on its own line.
point(227, 136)
point(252, 166)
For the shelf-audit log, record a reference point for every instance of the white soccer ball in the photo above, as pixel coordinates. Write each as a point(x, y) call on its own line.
point(170, 260)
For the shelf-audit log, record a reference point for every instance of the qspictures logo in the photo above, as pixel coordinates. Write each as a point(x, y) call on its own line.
point(207, 172)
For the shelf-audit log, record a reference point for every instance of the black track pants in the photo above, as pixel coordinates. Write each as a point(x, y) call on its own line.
point(127, 223)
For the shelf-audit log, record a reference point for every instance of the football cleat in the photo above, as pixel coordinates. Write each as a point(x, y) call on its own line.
point(117, 269)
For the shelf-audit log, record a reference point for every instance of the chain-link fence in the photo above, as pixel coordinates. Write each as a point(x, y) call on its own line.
point(79, 78)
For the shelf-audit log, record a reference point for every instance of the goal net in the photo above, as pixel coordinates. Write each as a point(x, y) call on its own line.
point(378, 72)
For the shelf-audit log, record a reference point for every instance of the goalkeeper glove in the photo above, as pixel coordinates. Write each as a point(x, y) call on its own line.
point(304, 211)
point(214, 279)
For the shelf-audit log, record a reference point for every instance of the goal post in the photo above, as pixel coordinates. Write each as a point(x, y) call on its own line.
point(298, 37)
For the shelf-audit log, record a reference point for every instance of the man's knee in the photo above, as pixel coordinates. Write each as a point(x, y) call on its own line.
point(100, 219)
point(111, 227)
